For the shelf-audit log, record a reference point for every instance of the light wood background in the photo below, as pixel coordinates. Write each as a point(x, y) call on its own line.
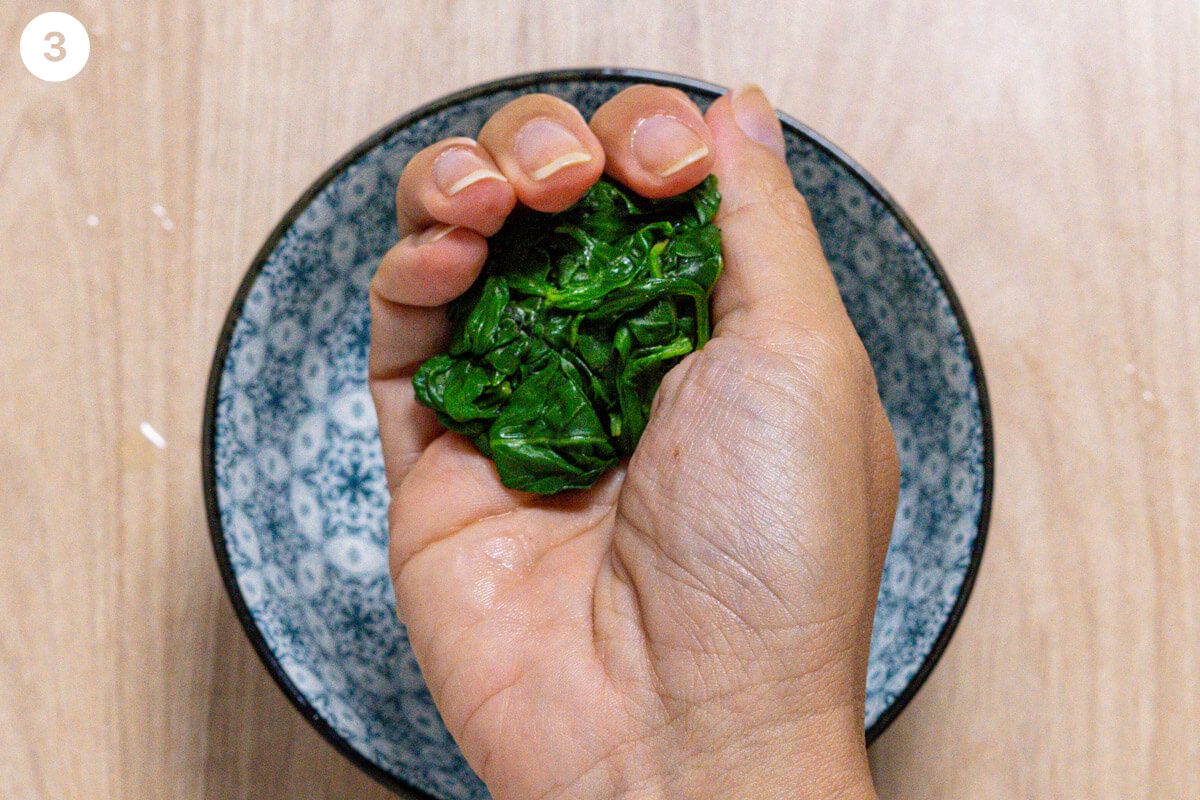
point(1049, 149)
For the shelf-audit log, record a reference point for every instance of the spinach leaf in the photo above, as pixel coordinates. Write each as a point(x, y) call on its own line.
point(558, 349)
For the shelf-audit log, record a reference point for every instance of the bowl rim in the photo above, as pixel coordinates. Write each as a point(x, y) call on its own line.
point(520, 81)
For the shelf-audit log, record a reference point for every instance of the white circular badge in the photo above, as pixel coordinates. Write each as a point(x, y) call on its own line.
point(55, 46)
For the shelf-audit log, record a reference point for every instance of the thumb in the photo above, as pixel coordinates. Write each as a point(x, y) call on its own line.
point(775, 269)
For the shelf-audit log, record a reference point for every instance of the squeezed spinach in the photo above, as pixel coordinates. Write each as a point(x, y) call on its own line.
point(559, 347)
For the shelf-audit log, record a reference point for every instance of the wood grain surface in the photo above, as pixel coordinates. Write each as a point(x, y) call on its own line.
point(1049, 150)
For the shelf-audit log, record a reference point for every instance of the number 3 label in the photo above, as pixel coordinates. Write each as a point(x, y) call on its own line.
point(55, 46)
point(57, 52)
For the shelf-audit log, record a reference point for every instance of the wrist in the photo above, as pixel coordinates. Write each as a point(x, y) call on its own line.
point(821, 757)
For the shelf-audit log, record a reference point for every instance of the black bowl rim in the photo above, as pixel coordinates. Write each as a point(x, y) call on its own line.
point(623, 74)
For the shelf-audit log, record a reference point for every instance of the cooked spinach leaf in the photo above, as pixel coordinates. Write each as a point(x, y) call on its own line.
point(559, 347)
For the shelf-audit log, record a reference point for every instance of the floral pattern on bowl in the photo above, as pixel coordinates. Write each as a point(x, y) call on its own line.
point(294, 475)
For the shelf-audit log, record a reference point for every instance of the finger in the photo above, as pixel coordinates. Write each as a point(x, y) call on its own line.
point(408, 325)
point(430, 268)
point(415, 279)
point(774, 266)
point(545, 150)
point(453, 182)
point(655, 140)
point(405, 427)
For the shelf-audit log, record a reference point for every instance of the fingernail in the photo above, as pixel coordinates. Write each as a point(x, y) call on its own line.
point(663, 145)
point(754, 115)
point(543, 147)
point(457, 168)
point(436, 233)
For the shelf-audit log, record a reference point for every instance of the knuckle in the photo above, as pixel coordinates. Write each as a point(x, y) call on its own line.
point(791, 207)
point(828, 366)
point(830, 356)
point(780, 207)
point(840, 359)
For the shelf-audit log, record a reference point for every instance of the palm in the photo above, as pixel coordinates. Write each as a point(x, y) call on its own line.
point(578, 625)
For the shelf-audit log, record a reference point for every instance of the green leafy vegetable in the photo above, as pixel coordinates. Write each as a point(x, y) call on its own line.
point(559, 347)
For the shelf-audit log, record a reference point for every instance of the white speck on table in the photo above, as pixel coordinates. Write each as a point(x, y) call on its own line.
point(154, 437)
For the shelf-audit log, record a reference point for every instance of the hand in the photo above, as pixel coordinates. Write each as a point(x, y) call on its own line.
point(697, 623)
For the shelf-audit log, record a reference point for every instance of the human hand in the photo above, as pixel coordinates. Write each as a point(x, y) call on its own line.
point(697, 623)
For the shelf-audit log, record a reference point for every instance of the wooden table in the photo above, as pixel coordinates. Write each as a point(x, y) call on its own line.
point(1049, 150)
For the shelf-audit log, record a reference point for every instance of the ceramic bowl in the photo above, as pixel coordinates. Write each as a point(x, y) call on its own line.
point(294, 477)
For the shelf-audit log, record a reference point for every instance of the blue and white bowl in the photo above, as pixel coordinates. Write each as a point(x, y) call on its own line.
point(294, 479)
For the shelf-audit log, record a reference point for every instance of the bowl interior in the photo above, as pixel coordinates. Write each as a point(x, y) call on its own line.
point(296, 476)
